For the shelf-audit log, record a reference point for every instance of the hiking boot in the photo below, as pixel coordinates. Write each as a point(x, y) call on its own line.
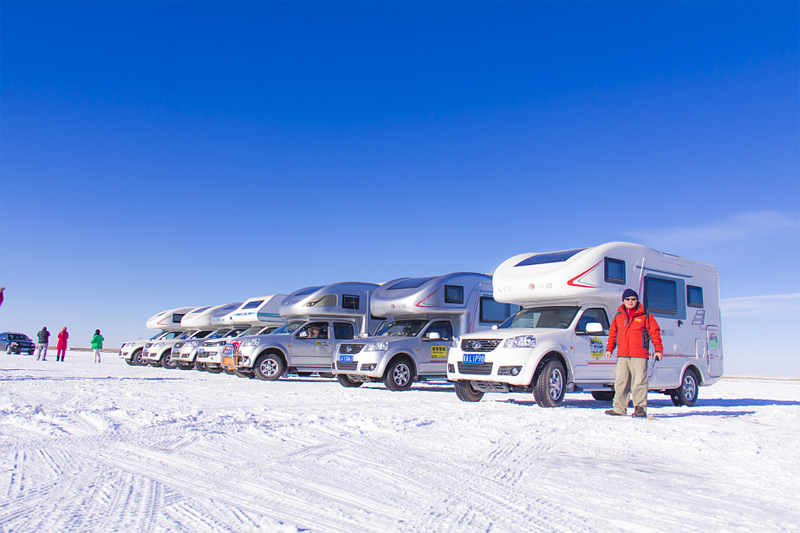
point(612, 412)
point(639, 412)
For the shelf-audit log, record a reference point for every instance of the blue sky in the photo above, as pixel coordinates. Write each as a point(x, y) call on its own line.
point(158, 154)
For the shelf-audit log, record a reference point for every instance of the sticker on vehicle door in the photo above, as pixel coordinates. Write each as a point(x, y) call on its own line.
point(438, 352)
point(596, 348)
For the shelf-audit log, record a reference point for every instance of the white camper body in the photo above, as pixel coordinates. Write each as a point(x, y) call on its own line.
point(184, 351)
point(557, 343)
point(259, 310)
point(169, 322)
point(423, 317)
point(317, 318)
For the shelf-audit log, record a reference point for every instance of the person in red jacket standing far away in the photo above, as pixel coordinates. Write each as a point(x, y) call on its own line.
point(631, 332)
point(61, 347)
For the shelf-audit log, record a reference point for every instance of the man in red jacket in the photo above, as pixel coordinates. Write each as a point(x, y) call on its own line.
point(631, 332)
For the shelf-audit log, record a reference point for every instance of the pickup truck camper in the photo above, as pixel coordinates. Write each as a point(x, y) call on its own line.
point(158, 352)
point(260, 315)
point(184, 351)
point(424, 316)
point(317, 318)
point(557, 342)
point(169, 322)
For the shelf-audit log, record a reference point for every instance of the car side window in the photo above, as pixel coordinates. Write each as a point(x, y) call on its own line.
point(597, 314)
point(314, 330)
point(443, 328)
point(343, 330)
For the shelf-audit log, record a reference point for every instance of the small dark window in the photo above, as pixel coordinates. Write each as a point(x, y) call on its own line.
point(253, 304)
point(661, 296)
point(443, 328)
point(176, 319)
point(694, 296)
point(548, 257)
point(493, 312)
point(349, 301)
point(308, 290)
point(453, 294)
point(410, 283)
point(615, 271)
point(343, 330)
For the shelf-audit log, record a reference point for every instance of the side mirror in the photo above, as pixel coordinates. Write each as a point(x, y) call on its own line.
point(364, 336)
point(594, 327)
point(494, 327)
point(433, 336)
point(302, 335)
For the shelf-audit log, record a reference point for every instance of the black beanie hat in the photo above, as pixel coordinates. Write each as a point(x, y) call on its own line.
point(628, 293)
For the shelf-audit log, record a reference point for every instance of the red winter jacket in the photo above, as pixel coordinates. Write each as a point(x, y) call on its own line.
point(62, 340)
point(630, 335)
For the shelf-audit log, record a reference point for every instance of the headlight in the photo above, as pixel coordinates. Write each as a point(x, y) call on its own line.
point(158, 345)
point(523, 341)
point(250, 342)
point(376, 346)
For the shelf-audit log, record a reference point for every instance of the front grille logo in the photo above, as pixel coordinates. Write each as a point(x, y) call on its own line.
point(348, 348)
point(476, 345)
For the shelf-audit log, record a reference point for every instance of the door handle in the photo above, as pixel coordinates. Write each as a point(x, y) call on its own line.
point(326, 343)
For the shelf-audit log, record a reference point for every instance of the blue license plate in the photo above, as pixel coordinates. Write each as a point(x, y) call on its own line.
point(345, 358)
point(228, 350)
point(474, 358)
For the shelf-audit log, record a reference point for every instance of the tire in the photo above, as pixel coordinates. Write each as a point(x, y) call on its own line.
point(466, 393)
point(328, 375)
point(156, 364)
point(229, 371)
point(202, 367)
point(687, 393)
point(185, 366)
point(268, 367)
point(345, 381)
point(213, 369)
point(131, 362)
point(304, 374)
point(398, 375)
point(551, 384)
point(137, 359)
point(603, 395)
point(167, 362)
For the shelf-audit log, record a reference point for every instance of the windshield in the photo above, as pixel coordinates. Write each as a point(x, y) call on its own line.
point(542, 317)
point(221, 332)
point(402, 328)
point(252, 331)
point(288, 328)
point(17, 337)
point(186, 334)
point(201, 334)
point(234, 333)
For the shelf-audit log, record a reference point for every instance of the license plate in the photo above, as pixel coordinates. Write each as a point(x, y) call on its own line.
point(201, 350)
point(474, 358)
point(345, 358)
point(228, 350)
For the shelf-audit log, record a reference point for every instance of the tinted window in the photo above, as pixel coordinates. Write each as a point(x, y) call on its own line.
point(411, 283)
point(329, 300)
point(453, 294)
point(308, 291)
point(493, 312)
point(694, 296)
point(343, 330)
point(660, 296)
point(615, 271)
point(550, 257)
point(200, 310)
point(593, 315)
point(403, 328)
point(314, 330)
point(349, 302)
point(176, 319)
point(443, 328)
point(542, 317)
point(253, 304)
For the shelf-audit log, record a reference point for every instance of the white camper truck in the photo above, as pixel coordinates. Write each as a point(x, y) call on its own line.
point(185, 351)
point(317, 319)
point(159, 351)
point(424, 315)
point(557, 343)
point(260, 315)
point(169, 322)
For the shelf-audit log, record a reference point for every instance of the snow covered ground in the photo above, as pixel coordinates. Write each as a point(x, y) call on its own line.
point(109, 447)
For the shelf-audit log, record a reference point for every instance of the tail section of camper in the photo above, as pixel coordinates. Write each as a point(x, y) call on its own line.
point(556, 344)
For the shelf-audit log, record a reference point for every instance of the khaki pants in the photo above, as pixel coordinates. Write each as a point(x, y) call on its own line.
point(631, 377)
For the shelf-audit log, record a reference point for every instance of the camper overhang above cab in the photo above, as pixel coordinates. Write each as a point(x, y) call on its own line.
point(348, 299)
point(447, 295)
point(259, 310)
point(202, 317)
point(169, 320)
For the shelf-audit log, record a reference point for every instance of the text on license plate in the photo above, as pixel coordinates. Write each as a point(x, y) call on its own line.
point(345, 358)
point(474, 358)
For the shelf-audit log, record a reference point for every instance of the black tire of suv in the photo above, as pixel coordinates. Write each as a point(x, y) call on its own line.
point(268, 367)
point(689, 390)
point(213, 369)
point(185, 366)
point(167, 362)
point(399, 375)
point(137, 358)
point(345, 381)
point(551, 384)
point(466, 393)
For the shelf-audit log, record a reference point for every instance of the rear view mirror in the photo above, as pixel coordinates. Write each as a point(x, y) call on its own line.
point(433, 336)
point(494, 327)
point(364, 335)
point(594, 327)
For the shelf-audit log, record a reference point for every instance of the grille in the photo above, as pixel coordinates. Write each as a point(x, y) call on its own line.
point(346, 366)
point(487, 345)
point(475, 368)
point(353, 348)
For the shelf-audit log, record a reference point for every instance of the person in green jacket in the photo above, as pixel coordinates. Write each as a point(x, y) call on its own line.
point(97, 345)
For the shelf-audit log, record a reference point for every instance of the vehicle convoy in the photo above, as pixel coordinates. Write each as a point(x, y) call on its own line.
point(317, 318)
point(557, 342)
point(260, 315)
point(159, 352)
point(184, 351)
point(423, 317)
point(16, 343)
point(169, 322)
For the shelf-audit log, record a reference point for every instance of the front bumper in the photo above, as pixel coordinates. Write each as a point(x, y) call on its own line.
point(370, 364)
point(499, 366)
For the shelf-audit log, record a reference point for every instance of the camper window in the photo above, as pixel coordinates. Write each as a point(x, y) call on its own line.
point(660, 295)
point(453, 294)
point(410, 283)
point(592, 315)
point(694, 296)
point(557, 317)
point(253, 304)
point(329, 300)
point(349, 301)
point(403, 328)
point(493, 312)
point(309, 290)
point(615, 271)
point(549, 257)
point(176, 319)
point(443, 328)
point(343, 330)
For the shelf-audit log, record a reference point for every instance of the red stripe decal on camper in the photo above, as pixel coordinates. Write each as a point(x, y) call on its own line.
point(421, 303)
point(574, 283)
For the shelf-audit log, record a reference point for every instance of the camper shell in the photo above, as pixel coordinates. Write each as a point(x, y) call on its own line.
point(259, 315)
point(557, 342)
point(184, 352)
point(159, 351)
point(169, 324)
point(317, 318)
point(423, 317)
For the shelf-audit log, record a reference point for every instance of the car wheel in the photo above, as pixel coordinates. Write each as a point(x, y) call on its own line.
point(228, 370)
point(328, 375)
point(243, 374)
point(551, 384)
point(304, 374)
point(131, 362)
point(466, 393)
point(214, 369)
point(167, 361)
point(268, 367)
point(184, 366)
point(687, 393)
point(202, 367)
point(603, 395)
point(398, 375)
point(345, 381)
point(156, 364)
point(137, 358)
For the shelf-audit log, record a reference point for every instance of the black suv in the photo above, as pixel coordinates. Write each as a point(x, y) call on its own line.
point(16, 343)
